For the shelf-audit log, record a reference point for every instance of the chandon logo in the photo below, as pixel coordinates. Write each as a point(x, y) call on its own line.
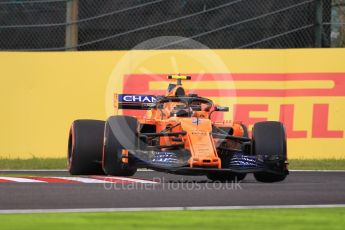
point(137, 98)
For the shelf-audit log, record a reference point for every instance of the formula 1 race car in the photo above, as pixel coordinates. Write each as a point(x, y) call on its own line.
point(177, 136)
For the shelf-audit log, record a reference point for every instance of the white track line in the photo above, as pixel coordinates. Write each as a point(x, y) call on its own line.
point(83, 180)
point(126, 179)
point(83, 210)
point(22, 180)
point(86, 180)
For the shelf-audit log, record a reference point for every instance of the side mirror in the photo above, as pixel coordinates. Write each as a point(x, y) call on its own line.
point(222, 108)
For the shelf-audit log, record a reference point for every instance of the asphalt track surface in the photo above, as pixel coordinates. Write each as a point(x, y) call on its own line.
point(300, 188)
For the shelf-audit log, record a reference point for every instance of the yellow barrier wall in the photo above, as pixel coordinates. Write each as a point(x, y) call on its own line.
point(42, 93)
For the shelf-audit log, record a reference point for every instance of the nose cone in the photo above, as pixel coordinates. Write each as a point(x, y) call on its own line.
point(203, 151)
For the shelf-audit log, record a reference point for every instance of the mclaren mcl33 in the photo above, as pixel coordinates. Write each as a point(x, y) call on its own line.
point(177, 136)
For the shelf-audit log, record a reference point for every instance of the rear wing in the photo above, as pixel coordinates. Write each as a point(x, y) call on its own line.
point(134, 101)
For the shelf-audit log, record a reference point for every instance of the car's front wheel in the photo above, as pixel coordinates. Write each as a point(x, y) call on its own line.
point(269, 146)
point(119, 135)
point(85, 144)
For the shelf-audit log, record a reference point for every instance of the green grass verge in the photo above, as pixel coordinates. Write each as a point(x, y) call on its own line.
point(326, 164)
point(33, 163)
point(313, 219)
point(60, 163)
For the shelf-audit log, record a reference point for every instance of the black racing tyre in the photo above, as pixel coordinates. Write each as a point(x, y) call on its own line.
point(226, 177)
point(269, 144)
point(85, 146)
point(120, 133)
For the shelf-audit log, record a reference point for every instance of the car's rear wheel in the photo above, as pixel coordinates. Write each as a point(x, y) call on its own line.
point(85, 147)
point(119, 134)
point(269, 145)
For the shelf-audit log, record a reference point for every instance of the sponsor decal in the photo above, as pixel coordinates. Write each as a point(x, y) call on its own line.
point(240, 160)
point(165, 158)
point(196, 120)
point(136, 98)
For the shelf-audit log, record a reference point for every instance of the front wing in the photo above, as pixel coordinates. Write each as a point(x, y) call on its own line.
point(177, 163)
